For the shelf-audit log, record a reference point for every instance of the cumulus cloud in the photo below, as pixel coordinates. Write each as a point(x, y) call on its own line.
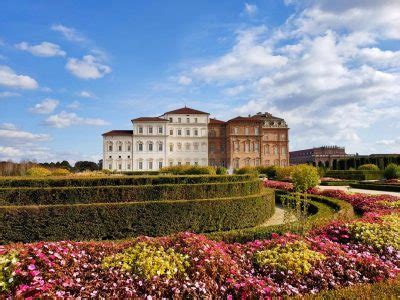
point(7, 94)
point(250, 9)
point(87, 94)
point(44, 49)
point(89, 67)
point(69, 33)
point(10, 132)
point(47, 106)
point(9, 78)
point(66, 119)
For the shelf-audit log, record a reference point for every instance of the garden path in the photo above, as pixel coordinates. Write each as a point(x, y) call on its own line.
point(277, 218)
point(351, 190)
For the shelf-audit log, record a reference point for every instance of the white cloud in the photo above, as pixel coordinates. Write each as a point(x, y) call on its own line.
point(89, 67)
point(44, 49)
point(69, 33)
point(87, 94)
point(184, 80)
point(250, 9)
point(47, 106)
point(9, 132)
point(74, 105)
point(65, 119)
point(9, 78)
point(7, 94)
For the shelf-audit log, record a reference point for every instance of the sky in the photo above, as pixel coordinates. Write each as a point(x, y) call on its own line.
point(72, 70)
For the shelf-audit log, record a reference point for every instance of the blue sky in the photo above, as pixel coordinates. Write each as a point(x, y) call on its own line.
point(72, 70)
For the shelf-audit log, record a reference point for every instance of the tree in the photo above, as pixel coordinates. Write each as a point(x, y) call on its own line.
point(86, 166)
point(392, 171)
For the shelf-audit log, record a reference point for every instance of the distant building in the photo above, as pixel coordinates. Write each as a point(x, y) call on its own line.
point(325, 156)
point(190, 137)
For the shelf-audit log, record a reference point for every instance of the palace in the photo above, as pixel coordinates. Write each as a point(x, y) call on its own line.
point(187, 136)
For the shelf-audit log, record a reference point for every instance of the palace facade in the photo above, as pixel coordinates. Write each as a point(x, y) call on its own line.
point(190, 137)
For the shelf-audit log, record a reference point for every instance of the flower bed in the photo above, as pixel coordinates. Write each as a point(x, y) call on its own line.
point(340, 254)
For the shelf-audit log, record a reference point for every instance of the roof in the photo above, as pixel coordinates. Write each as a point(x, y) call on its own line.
point(119, 132)
point(244, 119)
point(149, 119)
point(186, 111)
point(215, 121)
point(267, 115)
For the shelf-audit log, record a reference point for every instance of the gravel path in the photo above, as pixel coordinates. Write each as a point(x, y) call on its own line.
point(351, 190)
point(277, 218)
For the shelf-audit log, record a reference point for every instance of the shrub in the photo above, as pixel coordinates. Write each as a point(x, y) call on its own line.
point(60, 172)
point(284, 172)
point(188, 170)
point(293, 256)
point(392, 171)
point(7, 276)
point(246, 170)
point(38, 172)
point(304, 177)
point(368, 167)
point(270, 171)
point(355, 174)
point(221, 171)
point(148, 261)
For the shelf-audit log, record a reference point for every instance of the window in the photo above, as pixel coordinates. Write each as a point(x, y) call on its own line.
point(212, 147)
point(150, 165)
point(195, 120)
point(179, 120)
point(179, 163)
point(110, 148)
point(119, 167)
point(150, 146)
point(179, 132)
point(140, 147)
point(187, 120)
point(140, 165)
point(179, 146)
point(236, 130)
point(283, 136)
point(275, 151)
point(119, 156)
point(203, 147)
point(266, 149)
point(196, 163)
point(160, 130)
point(187, 132)
point(170, 119)
point(196, 146)
point(256, 147)
point(283, 149)
point(129, 147)
point(256, 130)
point(246, 131)
point(196, 132)
point(247, 146)
point(110, 156)
point(171, 132)
point(129, 156)
point(129, 166)
point(160, 164)
point(171, 147)
point(150, 130)
point(160, 147)
point(119, 147)
point(222, 147)
point(187, 146)
point(140, 129)
point(110, 166)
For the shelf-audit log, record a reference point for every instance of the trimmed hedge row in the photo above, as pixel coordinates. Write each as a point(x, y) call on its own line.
point(105, 221)
point(338, 183)
point(321, 209)
point(119, 180)
point(354, 175)
point(377, 187)
point(111, 194)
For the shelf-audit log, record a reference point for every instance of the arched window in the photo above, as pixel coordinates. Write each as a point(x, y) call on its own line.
point(275, 150)
point(266, 149)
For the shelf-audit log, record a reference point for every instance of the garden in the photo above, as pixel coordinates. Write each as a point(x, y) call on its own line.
point(347, 244)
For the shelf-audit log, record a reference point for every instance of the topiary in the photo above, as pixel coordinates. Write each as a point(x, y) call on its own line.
point(368, 167)
point(304, 177)
point(392, 171)
point(38, 172)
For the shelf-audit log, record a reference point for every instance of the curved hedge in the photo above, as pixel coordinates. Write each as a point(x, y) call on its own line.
point(121, 220)
point(110, 194)
point(376, 187)
point(119, 180)
point(321, 209)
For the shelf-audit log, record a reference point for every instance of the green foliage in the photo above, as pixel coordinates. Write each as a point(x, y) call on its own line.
point(295, 257)
point(38, 172)
point(97, 194)
point(148, 261)
point(188, 170)
point(269, 171)
point(392, 171)
point(338, 183)
point(354, 175)
point(246, 170)
point(321, 171)
point(377, 187)
point(368, 167)
point(105, 221)
point(60, 172)
point(221, 171)
point(378, 235)
point(284, 172)
point(7, 277)
point(119, 180)
point(86, 166)
point(304, 177)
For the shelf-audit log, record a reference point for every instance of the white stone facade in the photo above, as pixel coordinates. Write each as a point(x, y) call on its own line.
point(179, 137)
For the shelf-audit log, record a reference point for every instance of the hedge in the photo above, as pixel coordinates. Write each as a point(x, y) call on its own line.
point(321, 209)
point(106, 194)
point(354, 175)
point(338, 183)
point(105, 221)
point(119, 180)
point(377, 187)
